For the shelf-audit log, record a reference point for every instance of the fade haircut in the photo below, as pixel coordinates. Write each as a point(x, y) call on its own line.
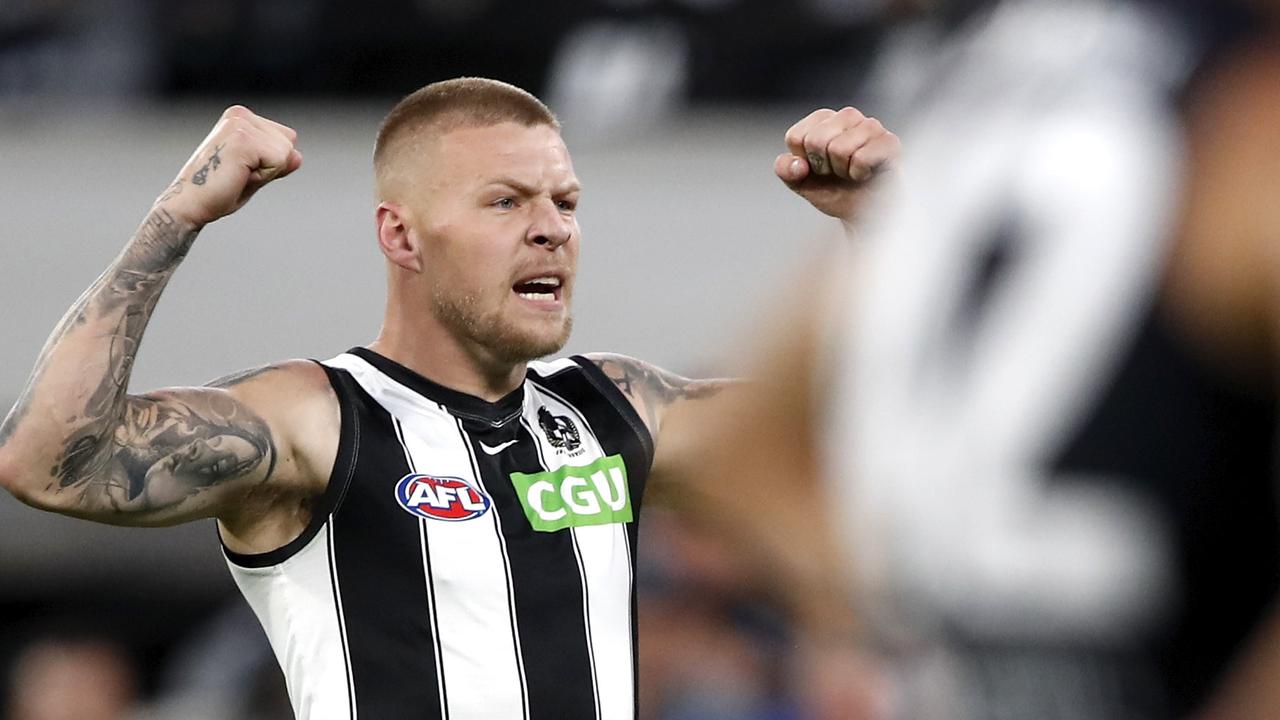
point(451, 104)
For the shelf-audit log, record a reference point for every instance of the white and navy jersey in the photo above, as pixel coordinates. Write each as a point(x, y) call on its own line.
point(469, 559)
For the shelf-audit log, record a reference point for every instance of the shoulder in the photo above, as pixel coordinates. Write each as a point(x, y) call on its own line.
point(296, 400)
point(287, 383)
point(651, 389)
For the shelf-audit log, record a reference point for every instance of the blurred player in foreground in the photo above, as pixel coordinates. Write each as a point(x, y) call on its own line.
point(1042, 400)
point(433, 525)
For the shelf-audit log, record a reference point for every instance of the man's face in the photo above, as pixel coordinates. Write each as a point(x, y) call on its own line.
point(496, 215)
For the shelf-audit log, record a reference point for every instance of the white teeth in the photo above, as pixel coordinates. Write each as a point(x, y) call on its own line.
point(554, 282)
point(538, 296)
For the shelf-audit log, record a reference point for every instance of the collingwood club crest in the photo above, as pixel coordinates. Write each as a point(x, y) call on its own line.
point(560, 430)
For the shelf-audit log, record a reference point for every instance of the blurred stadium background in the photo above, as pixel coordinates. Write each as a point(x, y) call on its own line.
point(674, 111)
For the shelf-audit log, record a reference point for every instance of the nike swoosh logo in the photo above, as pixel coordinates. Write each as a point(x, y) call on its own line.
point(497, 449)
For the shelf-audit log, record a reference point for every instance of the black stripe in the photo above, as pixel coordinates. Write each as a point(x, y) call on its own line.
point(378, 546)
point(442, 688)
point(620, 433)
point(546, 583)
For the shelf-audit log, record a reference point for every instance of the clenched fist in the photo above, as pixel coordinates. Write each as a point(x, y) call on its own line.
point(242, 153)
point(834, 157)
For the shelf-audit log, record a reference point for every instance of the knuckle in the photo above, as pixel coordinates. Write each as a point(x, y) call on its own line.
point(850, 113)
point(236, 111)
point(819, 140)
point(237, 124)
point(843, 145)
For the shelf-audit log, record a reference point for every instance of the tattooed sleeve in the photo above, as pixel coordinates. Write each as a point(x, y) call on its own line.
point(652, 389)
point(149, 459)
point(168, 448)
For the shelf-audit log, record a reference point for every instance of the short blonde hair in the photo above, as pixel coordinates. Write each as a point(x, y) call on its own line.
point(451, 104)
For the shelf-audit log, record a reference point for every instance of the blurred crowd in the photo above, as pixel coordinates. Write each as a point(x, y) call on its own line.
point(698, 49)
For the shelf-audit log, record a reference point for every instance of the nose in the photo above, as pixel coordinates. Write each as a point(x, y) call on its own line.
point(550, 228)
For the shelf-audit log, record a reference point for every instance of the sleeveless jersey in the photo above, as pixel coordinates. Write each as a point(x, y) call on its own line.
point(469, 559)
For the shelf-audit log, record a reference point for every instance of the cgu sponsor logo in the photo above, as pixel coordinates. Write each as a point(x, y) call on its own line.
point(575, 496)
point(440, 498)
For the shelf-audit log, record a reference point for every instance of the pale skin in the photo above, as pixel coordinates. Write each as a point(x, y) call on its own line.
point(485, 209)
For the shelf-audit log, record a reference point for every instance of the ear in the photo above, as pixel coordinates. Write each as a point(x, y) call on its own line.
point(397, 241)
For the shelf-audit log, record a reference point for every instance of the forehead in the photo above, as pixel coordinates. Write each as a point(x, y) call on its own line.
point(534, 154)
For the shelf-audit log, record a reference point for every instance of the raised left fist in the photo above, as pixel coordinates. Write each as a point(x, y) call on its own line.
point(835, 157)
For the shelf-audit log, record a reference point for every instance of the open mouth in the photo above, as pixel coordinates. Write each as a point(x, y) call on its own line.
point(539, 289)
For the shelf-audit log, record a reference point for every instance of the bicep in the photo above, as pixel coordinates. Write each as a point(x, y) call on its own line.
point(175, 455)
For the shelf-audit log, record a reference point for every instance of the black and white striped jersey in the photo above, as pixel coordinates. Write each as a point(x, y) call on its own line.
point(469, 559)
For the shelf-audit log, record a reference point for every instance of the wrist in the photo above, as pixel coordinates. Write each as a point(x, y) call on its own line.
point(178, 204)
point(162, 241)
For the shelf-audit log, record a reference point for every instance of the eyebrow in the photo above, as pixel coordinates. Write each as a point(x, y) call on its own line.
point(530, 190)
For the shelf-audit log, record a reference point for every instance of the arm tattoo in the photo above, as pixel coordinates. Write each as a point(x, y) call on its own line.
point(166, 449)
point(171, 191)
point(146, 453)
point(201, 176)
point(652, 387)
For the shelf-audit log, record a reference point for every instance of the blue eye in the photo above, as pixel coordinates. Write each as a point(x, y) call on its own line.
point(568, 205)
point(505, 203)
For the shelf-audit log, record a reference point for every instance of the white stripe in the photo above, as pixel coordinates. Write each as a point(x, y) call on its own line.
point(482, 673)
point(294, 601)
point(506, 566)
point(336, 588)
point(553, 367)
point(399, 400)
point(429, 585)
point(586, 619)
point(604, 555)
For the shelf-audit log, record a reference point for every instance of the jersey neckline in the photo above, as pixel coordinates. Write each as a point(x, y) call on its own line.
point(498, 412)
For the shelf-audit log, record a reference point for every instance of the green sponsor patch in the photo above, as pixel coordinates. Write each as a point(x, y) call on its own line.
point(594, 494)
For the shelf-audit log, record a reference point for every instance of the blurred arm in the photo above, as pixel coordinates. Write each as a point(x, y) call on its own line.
point(1225, 280)
point(741, 456)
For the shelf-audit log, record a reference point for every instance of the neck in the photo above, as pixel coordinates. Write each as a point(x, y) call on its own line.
point(436, 354)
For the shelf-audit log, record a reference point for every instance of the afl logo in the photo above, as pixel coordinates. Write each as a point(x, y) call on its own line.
point(440, 498)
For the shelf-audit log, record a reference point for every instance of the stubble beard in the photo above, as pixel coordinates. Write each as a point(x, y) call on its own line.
point(507, 341)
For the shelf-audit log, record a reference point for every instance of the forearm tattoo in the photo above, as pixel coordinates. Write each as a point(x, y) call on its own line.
point(137, 453)
point(653, 388)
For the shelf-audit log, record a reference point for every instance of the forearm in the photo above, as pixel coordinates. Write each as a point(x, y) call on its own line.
point(60, 430)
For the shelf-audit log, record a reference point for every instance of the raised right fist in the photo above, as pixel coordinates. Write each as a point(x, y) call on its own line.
point(242, 153)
